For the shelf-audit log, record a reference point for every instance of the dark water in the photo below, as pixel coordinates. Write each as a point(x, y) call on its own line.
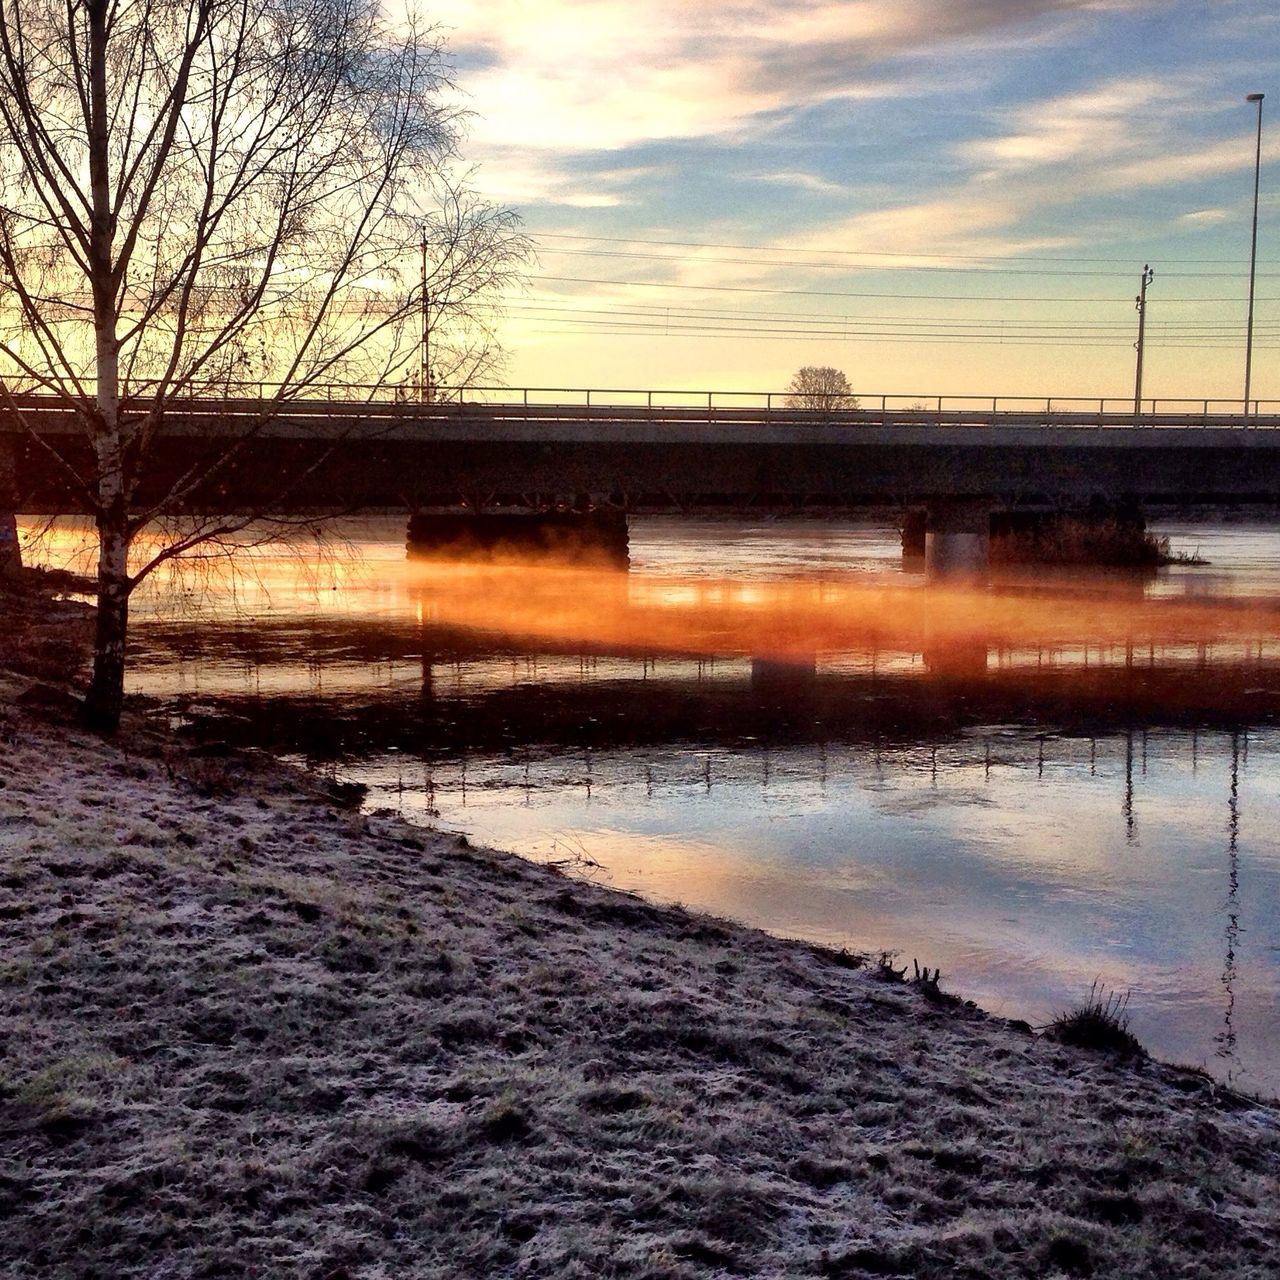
point(1041, 784)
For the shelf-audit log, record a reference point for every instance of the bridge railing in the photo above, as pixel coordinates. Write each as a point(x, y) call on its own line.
point(687, 398)
point(918, 407)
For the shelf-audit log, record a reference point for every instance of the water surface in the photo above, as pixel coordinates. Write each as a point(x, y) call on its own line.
point(1039, 784)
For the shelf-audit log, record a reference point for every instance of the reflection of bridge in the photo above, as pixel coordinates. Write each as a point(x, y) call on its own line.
point(423, 688)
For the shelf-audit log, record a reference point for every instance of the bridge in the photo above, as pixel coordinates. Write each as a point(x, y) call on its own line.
point(957, 457)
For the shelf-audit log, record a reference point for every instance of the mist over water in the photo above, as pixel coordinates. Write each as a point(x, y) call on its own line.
point(1039, 783)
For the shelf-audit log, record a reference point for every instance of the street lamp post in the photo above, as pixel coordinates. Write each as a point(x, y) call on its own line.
point(1253, 255)
point(424, 381)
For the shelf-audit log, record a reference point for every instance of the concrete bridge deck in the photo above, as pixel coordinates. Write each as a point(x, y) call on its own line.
point(397, 455)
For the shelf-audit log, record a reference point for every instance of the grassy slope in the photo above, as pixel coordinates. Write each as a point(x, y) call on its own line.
point(244, 1032)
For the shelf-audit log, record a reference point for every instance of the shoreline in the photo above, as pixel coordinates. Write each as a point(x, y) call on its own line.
point(248, 1030)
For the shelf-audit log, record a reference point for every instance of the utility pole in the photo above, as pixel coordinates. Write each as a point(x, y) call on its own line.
point(1141, 303)
point(1253, 256)
point(424, 381)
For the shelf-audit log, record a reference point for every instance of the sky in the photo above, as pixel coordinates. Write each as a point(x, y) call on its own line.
point(940, 197)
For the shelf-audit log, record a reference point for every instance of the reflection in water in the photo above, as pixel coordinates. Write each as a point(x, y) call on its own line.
point(1022, 782)
point(1226, 1038)
point(1011, 858)
point(961, 658)
point(1130, 822)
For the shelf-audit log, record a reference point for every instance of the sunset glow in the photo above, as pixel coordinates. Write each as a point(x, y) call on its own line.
point(938, 198)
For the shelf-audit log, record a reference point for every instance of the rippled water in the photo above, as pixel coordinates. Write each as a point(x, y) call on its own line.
point(1037, 785)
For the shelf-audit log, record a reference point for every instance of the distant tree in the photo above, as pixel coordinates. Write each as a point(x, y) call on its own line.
point(196, 195)
point(820, 387)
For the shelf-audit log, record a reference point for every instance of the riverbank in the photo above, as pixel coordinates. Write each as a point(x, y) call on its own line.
point(45, 632)
point(248, 1030)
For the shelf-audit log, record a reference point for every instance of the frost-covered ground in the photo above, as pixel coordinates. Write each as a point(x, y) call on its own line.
point(247, 1032)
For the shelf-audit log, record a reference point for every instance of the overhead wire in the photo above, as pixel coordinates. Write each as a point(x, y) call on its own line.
point(633, 317)
point(659, 311)
point(623, 329)
point(1208, 341)
point(705, 327)
point(663, 320)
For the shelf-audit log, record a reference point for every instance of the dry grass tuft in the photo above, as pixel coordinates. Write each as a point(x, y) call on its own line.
point(1101, 1023)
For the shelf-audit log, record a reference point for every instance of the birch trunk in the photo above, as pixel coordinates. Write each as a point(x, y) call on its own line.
point(106, 691)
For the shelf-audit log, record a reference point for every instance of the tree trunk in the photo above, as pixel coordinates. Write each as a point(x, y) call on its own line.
point(106, 691)
point(10, 550)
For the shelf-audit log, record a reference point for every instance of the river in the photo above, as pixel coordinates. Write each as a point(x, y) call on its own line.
point(1041, 784)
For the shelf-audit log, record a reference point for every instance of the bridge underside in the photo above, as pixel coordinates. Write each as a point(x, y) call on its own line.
point(876, 466)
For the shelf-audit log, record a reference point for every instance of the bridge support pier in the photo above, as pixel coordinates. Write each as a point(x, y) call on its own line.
point(583, 534)
point(957, 540)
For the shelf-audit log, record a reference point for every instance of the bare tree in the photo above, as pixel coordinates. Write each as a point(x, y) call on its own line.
point(820, 387)
point(197, 194)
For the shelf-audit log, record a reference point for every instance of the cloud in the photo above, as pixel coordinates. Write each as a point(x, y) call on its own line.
point(1212, 160)
point(1206, 217)
point(1117, 137)
point(819, 46)
point(558, 87)
point(567, 92)
point(979, 217)
point(934, 231)
point(571, 76)
point(1123, 134)
point(512, 176)
point(1108, 121)
point(798, 180)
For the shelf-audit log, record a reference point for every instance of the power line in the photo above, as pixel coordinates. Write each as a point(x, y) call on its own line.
point(854, 332)
point(660, 312)
point(729, 329)
point(948, 340)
